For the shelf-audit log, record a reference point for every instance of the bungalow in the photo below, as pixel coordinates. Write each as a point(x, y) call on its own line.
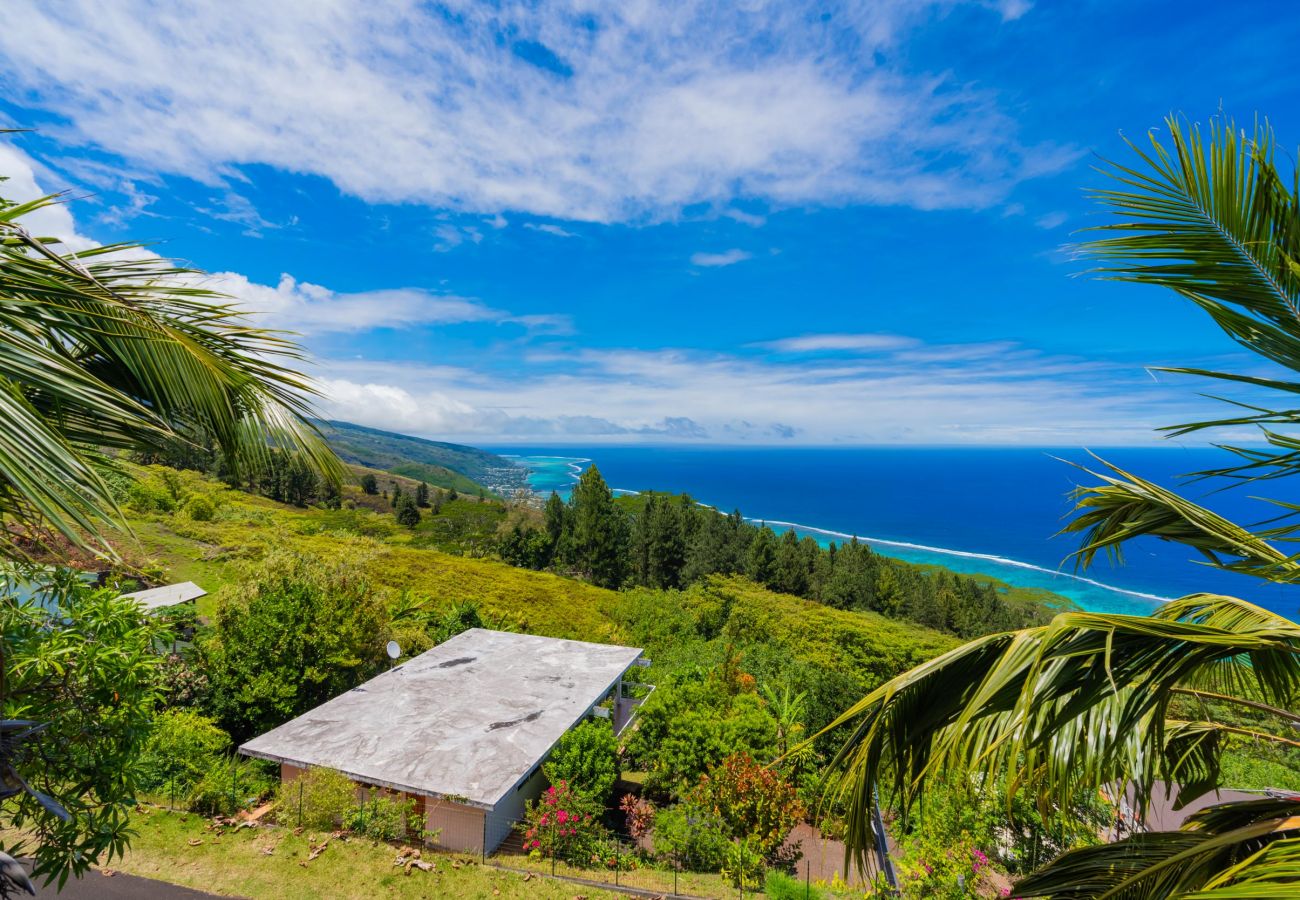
point(463, 728)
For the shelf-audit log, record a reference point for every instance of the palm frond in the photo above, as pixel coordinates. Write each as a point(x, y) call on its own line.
point(1065, 707)
point(1126, 506)
point(119, 349)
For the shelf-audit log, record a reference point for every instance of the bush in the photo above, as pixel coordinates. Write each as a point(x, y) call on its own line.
point(563, 824)
point(149, 495)
point(755, 804)
point(200, 508)
point(780, 886)
point(383, 817)
point(182, 748)
point(297, 631)
point(743, 864)
point(231, 784)
point(586, 758)
point(691, 837)
point(320, 799)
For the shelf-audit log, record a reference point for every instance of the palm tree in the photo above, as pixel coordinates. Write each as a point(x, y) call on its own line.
point(113, 349)
point(1091, 700)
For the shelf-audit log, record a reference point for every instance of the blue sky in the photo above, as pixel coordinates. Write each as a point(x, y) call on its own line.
point(737, 223)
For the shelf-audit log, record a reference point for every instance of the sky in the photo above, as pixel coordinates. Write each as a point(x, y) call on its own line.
point(750, 223)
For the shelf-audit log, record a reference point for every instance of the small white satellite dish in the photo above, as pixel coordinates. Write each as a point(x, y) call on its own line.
point(394, 651)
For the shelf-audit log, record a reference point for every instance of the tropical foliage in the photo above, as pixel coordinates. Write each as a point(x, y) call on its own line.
point(78, 683)
point(1094, 700)
point(114, 348)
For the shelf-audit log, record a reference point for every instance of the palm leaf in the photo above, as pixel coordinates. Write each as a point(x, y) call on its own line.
point(114, 348)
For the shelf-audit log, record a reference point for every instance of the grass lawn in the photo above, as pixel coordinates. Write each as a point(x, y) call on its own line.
point(271, 863)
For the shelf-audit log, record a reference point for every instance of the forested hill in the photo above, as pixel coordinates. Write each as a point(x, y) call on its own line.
point(411, 456)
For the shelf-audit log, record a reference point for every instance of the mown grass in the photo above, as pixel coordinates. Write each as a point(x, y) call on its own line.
point(272, 863)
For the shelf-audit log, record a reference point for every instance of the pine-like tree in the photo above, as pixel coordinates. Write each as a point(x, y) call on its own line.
point(598, 537)
point(422, 494)
point(406, 511)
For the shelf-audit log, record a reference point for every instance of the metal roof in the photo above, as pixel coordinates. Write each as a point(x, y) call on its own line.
point(470, 718)
point(169, 595)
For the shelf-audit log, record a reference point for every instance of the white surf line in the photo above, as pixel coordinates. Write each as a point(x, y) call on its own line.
point(966, 554)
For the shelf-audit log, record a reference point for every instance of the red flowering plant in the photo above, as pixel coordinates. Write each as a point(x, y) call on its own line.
point(565, 825)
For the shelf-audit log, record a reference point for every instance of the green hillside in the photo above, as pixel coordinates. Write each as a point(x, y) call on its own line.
point(417, 457)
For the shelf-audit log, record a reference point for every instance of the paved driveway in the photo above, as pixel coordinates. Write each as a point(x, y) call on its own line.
point(97, 886)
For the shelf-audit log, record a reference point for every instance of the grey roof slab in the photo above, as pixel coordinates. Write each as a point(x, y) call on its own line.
point(470, 718)
point(168, 595)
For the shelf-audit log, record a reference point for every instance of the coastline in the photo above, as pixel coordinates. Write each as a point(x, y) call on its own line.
point(1087, 593)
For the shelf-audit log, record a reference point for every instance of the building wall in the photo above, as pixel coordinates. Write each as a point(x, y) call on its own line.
point(510, 810)
point(459, 827)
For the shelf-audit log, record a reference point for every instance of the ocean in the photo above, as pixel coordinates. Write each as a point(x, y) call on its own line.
point(992, 511)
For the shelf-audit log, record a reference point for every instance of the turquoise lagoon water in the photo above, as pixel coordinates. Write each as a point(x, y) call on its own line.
point(991, 511)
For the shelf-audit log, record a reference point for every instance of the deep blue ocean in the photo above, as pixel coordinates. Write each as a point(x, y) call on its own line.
point(993, 511)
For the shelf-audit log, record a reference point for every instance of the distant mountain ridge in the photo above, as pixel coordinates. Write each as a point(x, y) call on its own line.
point(414, 457)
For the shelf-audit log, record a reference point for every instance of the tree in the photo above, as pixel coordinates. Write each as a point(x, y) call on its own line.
point(291, 634)
point(1092, 700)
point(369, 485)
point(422, 494)
point(73, 326)
point(407, 513)
point(452, 495)
point(586, 758)
point(79, 688)
point(397, 496)
point(597, 543)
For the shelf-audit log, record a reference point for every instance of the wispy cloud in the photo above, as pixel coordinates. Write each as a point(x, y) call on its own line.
point(1051, 220)
point(715, 260)
point(548, 228)
point(815, 343)
point(610, 113)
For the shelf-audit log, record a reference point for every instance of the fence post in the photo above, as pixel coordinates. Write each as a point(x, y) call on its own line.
point(234, 774)
point(553, 847)
point(677, 864)
point(483, 848)
point(807, 878)
point(300, 777)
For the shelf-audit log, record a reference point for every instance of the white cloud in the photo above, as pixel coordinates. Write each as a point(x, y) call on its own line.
point(984, 393)
point(312, 309)
point(647, 111)
point(54, 221)
point(726, 258)
point(547, 228)
point(1051, 220)
point(814, 343)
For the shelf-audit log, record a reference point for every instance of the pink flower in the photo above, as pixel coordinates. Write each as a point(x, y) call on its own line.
point(562, 816)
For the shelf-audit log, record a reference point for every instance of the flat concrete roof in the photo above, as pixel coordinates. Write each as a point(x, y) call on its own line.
point(470, 718)
point(168, 595)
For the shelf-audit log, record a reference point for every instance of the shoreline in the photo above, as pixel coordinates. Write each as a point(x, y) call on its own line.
point(575, 467)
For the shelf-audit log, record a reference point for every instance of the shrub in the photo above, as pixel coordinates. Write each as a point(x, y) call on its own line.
point(231, 784)
point(586, 758)
point(180, 685)
point(690, 836)
point(755, 804)
point(149, 495)
point(320, 799)
point(563, 824)
point(382, 817)
point(640, 815)
point(743, 864)
point(780, 886)
point(182, 748)
point(296, 632)
point(200, 508)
